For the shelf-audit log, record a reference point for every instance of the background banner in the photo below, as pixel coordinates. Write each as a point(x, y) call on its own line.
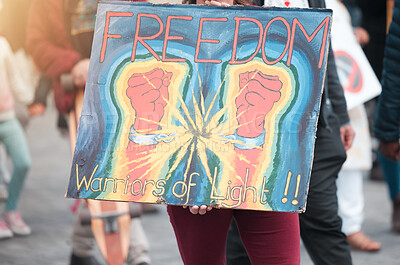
point(356, 75)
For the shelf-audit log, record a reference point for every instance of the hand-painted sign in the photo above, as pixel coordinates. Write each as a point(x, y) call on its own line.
point(200, 105)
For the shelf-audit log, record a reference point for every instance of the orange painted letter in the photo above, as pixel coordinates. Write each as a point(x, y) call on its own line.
point(325, 23)
point(200, 40)
point(141, 39)
point(106, 28)
point(168, 37)
point(235, 39)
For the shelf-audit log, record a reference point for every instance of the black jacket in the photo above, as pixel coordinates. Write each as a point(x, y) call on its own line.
point(333, 100)
point(388, 114)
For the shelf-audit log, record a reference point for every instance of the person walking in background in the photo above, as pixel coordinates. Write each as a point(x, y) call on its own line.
point(350, 191)
point(13, 137)
point(59, 38)
point(13, 20)
point(387, 122)
point(348, 37)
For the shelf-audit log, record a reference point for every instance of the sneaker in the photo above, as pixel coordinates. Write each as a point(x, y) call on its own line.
point(5, 232)
point(16, 224)
point(359, 241)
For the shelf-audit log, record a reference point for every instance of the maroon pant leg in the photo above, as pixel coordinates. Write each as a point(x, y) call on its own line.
point(271, 238)
point(201, 238)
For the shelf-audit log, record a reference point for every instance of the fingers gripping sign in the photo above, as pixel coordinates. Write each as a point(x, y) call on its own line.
point(215, 2)
point(202, 210)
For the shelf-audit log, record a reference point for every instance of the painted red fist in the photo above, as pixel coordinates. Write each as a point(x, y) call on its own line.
point(258, 94)
point(148, 93)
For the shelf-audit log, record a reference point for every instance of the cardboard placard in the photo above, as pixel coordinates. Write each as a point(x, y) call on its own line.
point(201, 105)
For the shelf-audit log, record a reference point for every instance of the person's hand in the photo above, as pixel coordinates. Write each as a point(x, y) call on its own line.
point(215, 2)
point(80, 73)
point(347, 135)
point(258, 94)
point(202, 210)
point(390, 150)
point(362, 36)
point(148, 93)
point(36, 109)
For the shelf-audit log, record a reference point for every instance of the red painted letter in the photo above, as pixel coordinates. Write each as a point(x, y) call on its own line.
point(140, 39)
point(235, 39)
point(168, 37)
point(265, 36)
point(107, 26)
point(199, 40)
point(325, 23)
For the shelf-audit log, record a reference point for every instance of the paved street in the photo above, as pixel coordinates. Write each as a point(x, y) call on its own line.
point(47, 211)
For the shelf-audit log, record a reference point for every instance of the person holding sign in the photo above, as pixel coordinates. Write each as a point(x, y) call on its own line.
point(270, 237)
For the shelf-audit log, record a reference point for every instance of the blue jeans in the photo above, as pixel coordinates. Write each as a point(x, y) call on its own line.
point(391, 173)
point(13, 137)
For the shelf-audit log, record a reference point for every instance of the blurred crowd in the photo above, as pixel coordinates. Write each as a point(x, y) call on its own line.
point(44, 55)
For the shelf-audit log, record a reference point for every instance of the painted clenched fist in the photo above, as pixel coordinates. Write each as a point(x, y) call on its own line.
point(148, 93)
point(258, 93)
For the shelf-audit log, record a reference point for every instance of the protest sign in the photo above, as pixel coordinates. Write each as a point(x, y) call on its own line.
point(201, 105)
point(356, 75)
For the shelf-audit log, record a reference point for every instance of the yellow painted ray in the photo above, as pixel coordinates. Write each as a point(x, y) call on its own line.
point(155, 156)
point(140, 159)
point(148, 81)
point(171, 129)
point(197, 112)
point(201, 152)
point(189, 161)
point(224, 129)
point(143, 155)
point(251, 77)
point(235, 141)
point(229, 163)
point(149, 153)
point(220, 128)
point(215, 98)
point(222, 155)
point(185, 109)
point(243, 158)
point(157, 161)
point(151, 121)
point(175, 112)
point(214, 122)
point(203, 110)
point(179, 157)
point(217, 92)
point(198, 75)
